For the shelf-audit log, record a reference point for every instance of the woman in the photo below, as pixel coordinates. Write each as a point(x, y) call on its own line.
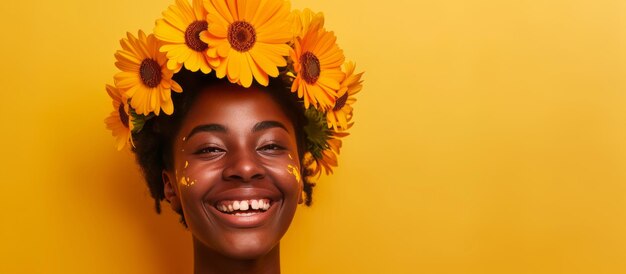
point(234, 158)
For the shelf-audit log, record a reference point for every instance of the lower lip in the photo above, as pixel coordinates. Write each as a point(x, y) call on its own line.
point(251, 221)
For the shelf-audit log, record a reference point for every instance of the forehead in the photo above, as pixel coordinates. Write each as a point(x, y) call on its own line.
point(235, 107)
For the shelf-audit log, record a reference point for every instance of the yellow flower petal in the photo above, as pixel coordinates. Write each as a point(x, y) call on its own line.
point(234, 67)
point(181, 29)
point(245, 75)
point(263, 23)
point(144, 93)
point(258, 74)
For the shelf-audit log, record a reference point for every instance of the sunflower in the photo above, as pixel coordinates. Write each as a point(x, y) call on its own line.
point(323, 144)
point(302, 21)
point(145, 78)
point(180, 31)
point(317, 63)
point(328, 161)
point(251, 36)
point(119, 120)
point(340, 115)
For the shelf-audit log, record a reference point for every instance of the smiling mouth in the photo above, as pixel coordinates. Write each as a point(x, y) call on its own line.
point(244, 207)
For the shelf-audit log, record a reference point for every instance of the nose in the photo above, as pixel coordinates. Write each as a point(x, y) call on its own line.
point(243, 166)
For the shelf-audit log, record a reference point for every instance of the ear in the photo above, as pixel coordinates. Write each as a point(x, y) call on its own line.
point(170, 190)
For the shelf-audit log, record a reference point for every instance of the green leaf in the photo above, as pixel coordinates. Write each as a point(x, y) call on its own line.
point(139, 120)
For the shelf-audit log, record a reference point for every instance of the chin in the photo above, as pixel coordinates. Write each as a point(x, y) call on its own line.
point(247, 247)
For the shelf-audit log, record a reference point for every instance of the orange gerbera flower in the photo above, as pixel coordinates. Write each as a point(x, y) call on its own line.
point(340, 115)
point(329, 155)
point(317, 63)
point(251, 36)
point(119, 121)
point(328, 159)
point(180, 30)
point(145, 78)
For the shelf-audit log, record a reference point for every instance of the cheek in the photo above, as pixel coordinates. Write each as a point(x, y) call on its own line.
point(195, 178)
point(182, 176)
point(293, 170)
point(286, 176)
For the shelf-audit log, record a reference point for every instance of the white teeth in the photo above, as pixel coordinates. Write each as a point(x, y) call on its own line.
point(254, 204)
point(243, 205)
point(236, 205)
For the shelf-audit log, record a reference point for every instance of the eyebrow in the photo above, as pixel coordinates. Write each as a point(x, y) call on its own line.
point(268, 124)
point(222, 129)
point(206, 128)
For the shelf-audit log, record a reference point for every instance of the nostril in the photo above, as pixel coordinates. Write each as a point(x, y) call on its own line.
point(240, 167)
point(235, 177)
point(257, 176)
point(244, 177)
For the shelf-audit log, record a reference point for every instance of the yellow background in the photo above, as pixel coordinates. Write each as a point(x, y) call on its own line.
point(490, 138)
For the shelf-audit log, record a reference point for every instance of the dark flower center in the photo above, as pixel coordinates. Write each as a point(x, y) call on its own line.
point(241, 36)
point(123, 115)
point(150, 73)
point(310, 67)
point(341, 101)
point(192, 35)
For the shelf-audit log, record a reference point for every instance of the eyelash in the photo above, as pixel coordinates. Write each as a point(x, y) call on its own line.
point(212, 149)
point(208, 150)
point(272, 147)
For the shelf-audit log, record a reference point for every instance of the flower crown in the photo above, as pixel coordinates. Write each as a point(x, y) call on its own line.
point(244, 41)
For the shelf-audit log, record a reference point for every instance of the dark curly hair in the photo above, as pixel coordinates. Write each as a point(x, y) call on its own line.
point(153, 143)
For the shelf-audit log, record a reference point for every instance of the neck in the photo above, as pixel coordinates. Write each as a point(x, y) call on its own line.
point(207, 261)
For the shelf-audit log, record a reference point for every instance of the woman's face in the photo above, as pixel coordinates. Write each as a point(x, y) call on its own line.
point(236, 171)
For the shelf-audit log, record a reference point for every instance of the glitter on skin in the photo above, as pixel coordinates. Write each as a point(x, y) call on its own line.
point(183, 181)
point(294, 171)
point(186, 181)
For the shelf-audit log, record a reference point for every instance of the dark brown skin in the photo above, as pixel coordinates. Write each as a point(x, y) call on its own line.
point(245, 154)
